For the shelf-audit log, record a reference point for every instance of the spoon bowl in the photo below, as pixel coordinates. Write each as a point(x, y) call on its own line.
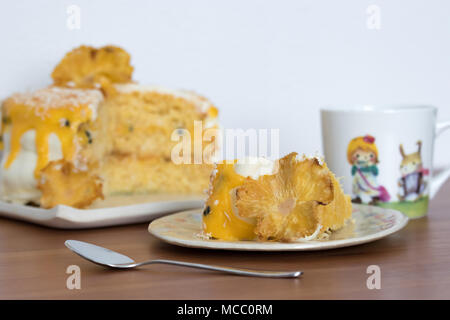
point(98, 255)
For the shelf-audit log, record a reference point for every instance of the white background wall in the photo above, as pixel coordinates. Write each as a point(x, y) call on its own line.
point(265, 64)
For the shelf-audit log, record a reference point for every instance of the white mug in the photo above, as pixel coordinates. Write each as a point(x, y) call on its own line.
point(384, 154)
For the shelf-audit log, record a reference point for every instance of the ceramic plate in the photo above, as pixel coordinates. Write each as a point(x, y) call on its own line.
point(113, 211)
point(369, 224)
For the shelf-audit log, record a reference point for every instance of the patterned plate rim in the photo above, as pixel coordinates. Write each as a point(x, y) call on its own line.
point(400, 221)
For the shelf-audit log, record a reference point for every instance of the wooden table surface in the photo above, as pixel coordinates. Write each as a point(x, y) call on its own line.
point(415, 263)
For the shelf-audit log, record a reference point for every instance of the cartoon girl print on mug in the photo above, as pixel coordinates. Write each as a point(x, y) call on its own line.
point(412, 182)
point(362, 154)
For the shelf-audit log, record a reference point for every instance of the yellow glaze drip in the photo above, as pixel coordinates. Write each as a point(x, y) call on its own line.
point(62, 121)
point(220, 219)
point(213, 112)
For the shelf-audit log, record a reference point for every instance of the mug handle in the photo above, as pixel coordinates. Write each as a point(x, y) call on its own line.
point(438, 180)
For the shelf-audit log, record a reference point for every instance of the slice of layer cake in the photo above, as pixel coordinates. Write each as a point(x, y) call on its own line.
point(141, 127)
point(284, 200)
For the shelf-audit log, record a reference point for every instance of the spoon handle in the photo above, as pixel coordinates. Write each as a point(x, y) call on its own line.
point(238, 271)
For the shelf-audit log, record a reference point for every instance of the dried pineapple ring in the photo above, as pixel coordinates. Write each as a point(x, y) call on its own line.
point(88, 67)
point(62, 183)
point(287, 205)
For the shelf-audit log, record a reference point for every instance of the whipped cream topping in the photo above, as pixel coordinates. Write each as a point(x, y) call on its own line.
point(254, 167)
point(313, 236)
point(18, 182)
point(211, 122)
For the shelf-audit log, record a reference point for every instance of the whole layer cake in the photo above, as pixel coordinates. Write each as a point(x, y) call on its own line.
point(284, 200)
point(94, 133)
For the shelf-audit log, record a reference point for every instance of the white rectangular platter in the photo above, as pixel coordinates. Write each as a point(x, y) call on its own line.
point(113, 211)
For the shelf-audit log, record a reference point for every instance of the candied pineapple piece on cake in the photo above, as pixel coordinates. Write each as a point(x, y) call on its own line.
point(88, 67)
point(62, 183)
point(293, 199)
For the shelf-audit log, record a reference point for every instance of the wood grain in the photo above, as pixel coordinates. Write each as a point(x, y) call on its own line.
point(415, 264)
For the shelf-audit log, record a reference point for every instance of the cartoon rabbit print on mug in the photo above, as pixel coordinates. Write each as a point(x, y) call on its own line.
point(412, 182)
point(362, 154)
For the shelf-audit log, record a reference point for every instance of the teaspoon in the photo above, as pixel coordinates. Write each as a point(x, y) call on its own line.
point(112, 259)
